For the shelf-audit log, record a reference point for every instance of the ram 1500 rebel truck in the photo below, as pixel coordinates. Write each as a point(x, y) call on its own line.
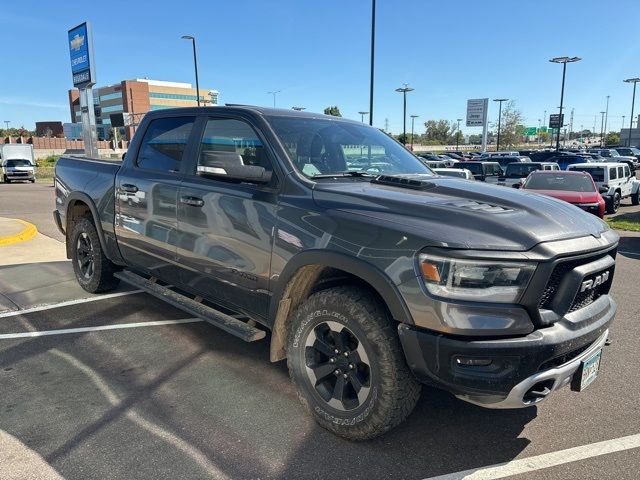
point(371, 273)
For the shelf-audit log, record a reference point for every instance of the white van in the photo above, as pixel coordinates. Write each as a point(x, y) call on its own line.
point(17, 162)
point(614, 181)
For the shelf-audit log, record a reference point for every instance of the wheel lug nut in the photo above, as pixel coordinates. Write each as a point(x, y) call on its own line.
point(336, 351)
point(337, 372)
point(351, 366)
point(332, 360)
point(346, 354)
point(345, 375)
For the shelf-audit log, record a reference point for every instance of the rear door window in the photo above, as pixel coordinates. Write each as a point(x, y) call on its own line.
point(613, 174)
point(627, 172)
point(621, 172)
point(164, 144)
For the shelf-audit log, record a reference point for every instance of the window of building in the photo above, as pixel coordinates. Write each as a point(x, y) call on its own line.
point(234, 137)
point(164, 143)
point(112, 108)
point(111, 96)
point(173, 96)
point(160, 107)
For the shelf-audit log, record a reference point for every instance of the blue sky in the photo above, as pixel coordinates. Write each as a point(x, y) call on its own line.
point(317, 54)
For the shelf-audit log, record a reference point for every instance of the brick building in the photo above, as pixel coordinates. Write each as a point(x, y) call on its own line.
point(138, 97)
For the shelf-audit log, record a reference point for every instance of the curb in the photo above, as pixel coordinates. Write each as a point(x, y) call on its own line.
point(28, 232)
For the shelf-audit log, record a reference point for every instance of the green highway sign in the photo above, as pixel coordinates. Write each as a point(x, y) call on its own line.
point(530, 131)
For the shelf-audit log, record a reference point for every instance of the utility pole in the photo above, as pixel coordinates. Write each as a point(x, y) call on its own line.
point(602, 129)
point(499, 100)
point(606, 119)
point(570, 126)
point(458, 133)
point(274, 93)
point(404, 91)
point(386, 125)
point(622, 128)
point(362, 114)
point(633, 101)
point(195, 64)
point(563, 61)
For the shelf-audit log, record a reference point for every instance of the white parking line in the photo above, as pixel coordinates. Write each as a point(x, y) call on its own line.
point(67, 303)
point(64, 331)
point(538, 462)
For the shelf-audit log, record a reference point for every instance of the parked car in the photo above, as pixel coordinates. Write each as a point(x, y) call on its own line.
point(512, 153)
point(436, 164)
point(506, 160)
point(577, 188)
point(455, 172)
point(614, 180)
point(484, 171)
point(629, 152)
point(453, 155)
point(565, 159)
point(430, 156)
point(17, 163)
point(369, 282)
point(516, 173)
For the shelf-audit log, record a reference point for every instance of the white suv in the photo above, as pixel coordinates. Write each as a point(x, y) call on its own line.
point(614, 180)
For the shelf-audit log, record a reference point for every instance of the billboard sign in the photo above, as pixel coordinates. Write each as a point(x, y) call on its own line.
point(477, 112)
point(80, 43)
point(556, 120)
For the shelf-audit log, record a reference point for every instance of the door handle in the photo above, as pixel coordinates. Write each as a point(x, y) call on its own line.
point(129, 188)
point(192, 201)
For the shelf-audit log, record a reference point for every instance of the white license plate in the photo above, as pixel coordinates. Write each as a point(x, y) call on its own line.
point(588, 370)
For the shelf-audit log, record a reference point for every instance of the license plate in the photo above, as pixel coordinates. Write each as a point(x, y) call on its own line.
point(587, 372)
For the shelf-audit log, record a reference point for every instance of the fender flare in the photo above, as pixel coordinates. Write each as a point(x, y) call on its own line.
point(84, 198)
point(368, 273)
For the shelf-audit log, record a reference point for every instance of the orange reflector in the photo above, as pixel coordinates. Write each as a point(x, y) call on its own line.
point(430, 272)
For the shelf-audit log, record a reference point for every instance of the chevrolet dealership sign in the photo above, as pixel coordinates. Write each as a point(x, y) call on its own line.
point(81, 51)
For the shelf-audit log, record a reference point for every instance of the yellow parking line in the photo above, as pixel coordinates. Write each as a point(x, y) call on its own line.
point(28, 232)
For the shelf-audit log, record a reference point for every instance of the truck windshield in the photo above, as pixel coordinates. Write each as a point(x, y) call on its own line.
point(319, 148)
point(567, 183)
point(18, 163)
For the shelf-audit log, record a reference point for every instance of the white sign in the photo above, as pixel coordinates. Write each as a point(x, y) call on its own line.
point(477, 112)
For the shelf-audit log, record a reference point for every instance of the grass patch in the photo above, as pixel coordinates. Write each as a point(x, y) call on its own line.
point(624, 224)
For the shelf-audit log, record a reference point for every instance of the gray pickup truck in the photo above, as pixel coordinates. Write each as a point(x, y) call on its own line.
point(371, 273)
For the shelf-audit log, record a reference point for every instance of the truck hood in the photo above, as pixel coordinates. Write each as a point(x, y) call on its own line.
point(457, 213)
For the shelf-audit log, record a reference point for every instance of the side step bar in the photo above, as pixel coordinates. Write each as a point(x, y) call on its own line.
point(221, 320)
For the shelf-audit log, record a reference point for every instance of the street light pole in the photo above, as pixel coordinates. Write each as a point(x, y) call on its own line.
point(564, 61)
point(373, 43)
point(195, 64)
point(362, 114)
point(633, 101)
point(274, 93)
point(458, 133)
point(7, 122)
point(606, 119)
point(602, 129)
point(499, 100)
point(413, 117)
point(404, 91)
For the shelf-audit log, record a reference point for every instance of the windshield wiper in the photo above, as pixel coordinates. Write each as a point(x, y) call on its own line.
point(343, 174)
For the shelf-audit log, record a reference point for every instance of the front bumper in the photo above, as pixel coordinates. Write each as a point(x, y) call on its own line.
point(20, 176)
point(546, 357)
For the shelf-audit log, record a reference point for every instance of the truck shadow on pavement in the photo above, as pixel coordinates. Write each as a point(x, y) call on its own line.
point(202, 401)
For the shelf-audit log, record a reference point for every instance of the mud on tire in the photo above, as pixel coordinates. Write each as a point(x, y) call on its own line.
point(345, 358)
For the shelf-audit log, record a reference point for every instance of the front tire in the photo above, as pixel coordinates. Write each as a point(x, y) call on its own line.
point(93, 270)
point(345, 358)
point(614, 203)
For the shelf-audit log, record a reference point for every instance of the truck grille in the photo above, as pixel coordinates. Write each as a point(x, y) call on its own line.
point(582, 299)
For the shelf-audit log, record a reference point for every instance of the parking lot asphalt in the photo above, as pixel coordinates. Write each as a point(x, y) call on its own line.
point(123, 396)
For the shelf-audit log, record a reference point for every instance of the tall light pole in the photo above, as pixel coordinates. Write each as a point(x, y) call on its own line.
point(274, 93)
point(7, 122)
point(606, 118)
point(499, 100)
point(362, 114)
point(404, 91)
point(563, 61)
point(602, 129)
point(633, 101)
point(413, 117)
point(298, 109)
point(195, 63)
point(373, 44)
point(458, 133)
point(539, 130)
point(623, 117)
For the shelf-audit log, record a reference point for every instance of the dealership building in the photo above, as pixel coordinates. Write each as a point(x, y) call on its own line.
point(137, 97)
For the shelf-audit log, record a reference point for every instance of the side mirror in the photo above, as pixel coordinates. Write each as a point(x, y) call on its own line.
point(229, 165)
point(603, 189)
point(516, 185)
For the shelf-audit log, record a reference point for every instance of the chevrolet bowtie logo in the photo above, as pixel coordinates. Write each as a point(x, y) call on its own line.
point(77, 42)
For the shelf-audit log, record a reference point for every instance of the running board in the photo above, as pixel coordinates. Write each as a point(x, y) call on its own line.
point(221, 320)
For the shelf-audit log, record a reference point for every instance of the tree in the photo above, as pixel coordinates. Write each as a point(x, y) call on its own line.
point(511, 125)
point(475, 139)
point(543, 136)
point(438, 132)
point(612, 138)
point(333, 110)
point(404, 139)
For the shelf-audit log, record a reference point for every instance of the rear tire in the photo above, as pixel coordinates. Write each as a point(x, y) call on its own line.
point(635, 199)
point(366, 388)
point(93, 270)
point(6, 180)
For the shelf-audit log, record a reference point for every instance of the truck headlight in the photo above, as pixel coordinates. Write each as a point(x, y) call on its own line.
point(494, 281)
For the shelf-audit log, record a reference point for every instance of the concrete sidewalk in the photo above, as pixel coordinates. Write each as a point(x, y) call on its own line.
point(39, 248)
point(13, 230)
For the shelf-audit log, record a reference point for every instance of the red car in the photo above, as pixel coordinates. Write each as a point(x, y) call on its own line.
point(574, 187)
